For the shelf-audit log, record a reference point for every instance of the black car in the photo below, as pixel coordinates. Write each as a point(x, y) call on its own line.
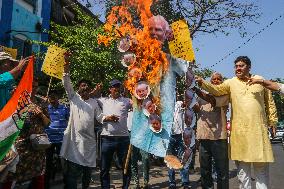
point(279, 134)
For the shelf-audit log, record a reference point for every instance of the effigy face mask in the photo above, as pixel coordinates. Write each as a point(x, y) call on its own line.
point(189, 117)
point(155, 123)
point(123, 44)
point(142, 90)
point(135, 73)
point(148, 107)
point(128, 59)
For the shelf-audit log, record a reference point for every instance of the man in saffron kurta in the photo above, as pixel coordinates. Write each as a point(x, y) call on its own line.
point(253, 110)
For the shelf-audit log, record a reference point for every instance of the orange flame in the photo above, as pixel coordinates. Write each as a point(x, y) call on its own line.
point(150, 59)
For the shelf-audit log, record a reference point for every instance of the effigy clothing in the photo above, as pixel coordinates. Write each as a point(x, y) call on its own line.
point(6, 86)
point(79, 141)
point(211, 121)
point(141, 135)
point(253, 109)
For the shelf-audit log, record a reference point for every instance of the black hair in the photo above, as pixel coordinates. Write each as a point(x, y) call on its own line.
point(84, 81)
point(243, 59)
point(54, 92)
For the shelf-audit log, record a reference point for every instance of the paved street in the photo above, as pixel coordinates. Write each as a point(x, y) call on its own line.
point(159, 177)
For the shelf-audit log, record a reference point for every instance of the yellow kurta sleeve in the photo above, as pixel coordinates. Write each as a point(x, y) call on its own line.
point(216, 90)
point(270, 108)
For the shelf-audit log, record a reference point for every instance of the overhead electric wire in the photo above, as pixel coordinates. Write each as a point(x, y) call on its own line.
point(248, 40)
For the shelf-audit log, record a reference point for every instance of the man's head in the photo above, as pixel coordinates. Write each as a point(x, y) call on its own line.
point(242, 67)
point(115, 88)
point(216, 78)
point(158, 28)
point(84, 88)
point(7, 63)
point(53, 98)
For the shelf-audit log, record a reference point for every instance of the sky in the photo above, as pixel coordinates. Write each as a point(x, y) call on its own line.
point(266, 51)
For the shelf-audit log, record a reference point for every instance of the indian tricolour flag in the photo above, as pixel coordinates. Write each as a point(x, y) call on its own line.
point(10, 116)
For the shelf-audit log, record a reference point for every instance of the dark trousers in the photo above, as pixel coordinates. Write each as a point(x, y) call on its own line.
point(218, 149)
point(72, 172)
point(110, 145)
point(136, 152)
point(52, 163)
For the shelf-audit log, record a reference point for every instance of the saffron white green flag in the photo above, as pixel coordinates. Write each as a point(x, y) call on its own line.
point(12, 115)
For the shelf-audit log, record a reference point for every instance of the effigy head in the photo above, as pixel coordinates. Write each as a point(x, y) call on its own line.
point(158, 28)
point(142, 90)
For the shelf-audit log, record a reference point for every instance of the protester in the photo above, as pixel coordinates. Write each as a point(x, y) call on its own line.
point(212, 136)
point(79, 142)
point(115, 135)
point(59, 115)
point(253, 110)
point(31, 166)
point(10, 70)
point(268, 84)
point(177, 145)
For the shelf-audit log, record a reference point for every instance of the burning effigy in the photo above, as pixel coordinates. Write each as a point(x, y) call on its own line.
point(151, 78)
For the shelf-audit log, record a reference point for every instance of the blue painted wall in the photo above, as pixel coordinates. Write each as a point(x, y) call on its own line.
point(5, 22)
point(24, 20)
point(45, 14)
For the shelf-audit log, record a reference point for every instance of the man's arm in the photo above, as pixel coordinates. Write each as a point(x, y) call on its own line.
point(15, 72)
point(67, 81)
point(207, 97)
point(266, 83)
point(270, 109)
point(216, 90)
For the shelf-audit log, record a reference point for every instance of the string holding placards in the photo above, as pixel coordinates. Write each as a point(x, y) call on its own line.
point(53, 64)
point(181, 46)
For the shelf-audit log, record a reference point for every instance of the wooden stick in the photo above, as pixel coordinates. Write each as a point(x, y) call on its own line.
point(49, 85)
point(127, 159)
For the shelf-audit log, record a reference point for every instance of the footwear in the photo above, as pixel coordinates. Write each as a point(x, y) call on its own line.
point(172, 187)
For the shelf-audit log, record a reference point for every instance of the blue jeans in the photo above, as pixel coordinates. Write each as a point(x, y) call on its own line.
point(175, 146)
point(110, 145)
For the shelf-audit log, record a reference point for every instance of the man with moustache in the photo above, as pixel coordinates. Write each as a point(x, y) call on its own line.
point(78, 149)
point(253, 110)
point(212, 136)
point(115, 135)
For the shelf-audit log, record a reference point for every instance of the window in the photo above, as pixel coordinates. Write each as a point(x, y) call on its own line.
point(23, 46)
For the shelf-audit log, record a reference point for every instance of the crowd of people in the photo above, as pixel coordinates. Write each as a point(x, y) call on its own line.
point(71, 130)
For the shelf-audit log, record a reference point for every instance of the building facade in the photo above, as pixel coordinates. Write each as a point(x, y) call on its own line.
point(23, 21)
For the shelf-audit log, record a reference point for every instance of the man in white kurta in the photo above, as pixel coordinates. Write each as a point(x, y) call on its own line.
point(79, 143)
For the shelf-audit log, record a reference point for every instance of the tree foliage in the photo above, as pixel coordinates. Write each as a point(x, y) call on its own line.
point(279, 102)
point(89, 60)
point(209, 16)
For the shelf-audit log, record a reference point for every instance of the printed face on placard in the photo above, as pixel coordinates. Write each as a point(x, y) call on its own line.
point(135, 72)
